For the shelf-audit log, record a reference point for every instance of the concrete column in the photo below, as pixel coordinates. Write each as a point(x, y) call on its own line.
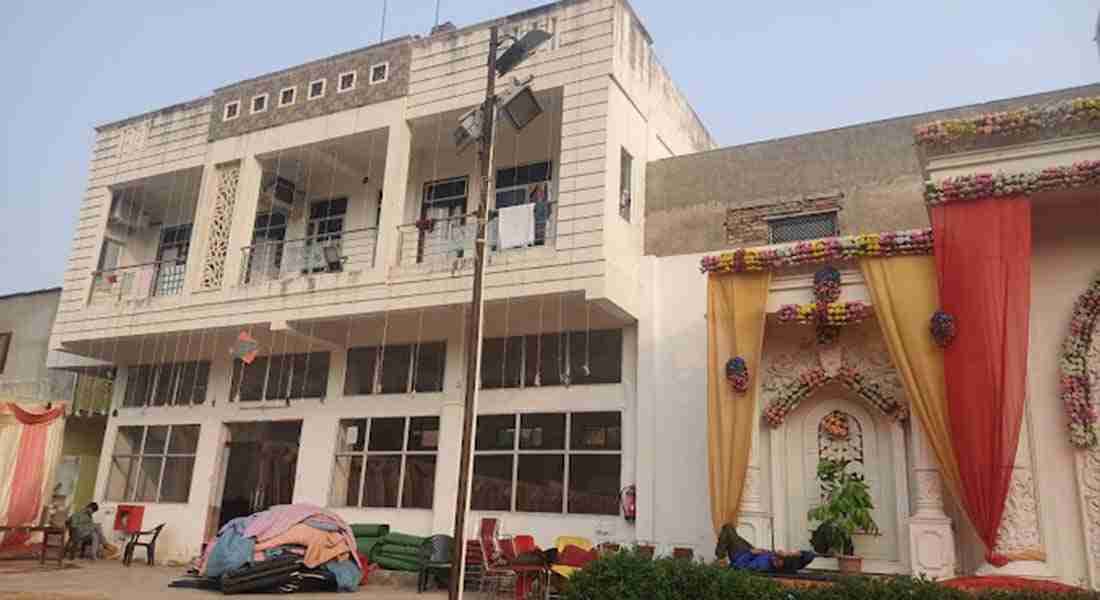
point(446, 467)
point(316, 449)
point(244, 216)
point(394, 184)
point(931, 539)
point(648, 384)
point(206, 482)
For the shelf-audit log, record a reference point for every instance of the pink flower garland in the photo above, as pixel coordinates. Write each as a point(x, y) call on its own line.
point(761, 258)
point(1075, 385)
point(792, 394)
point(835, 313)
point(1000, 185)
point(1011, 126)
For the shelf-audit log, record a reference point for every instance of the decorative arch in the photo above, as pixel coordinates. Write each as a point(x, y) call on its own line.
point(1077, 395)
point(792, 394)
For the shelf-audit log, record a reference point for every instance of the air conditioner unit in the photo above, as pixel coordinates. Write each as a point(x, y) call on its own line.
point(278, 196)
point(125, 213)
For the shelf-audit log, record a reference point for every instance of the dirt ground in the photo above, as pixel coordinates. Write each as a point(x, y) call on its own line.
point(108, 580)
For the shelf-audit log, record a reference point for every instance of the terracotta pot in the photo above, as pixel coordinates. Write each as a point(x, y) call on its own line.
point(609, 548)
point(646, 551)
point(687, 553)
point(850, 565)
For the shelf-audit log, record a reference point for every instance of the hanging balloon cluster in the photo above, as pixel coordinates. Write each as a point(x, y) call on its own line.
point(737, 373)
point(943, 328)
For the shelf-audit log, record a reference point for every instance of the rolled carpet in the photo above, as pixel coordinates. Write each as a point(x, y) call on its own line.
point(402, 539)
point(370, 530)
point(366, 544)
point(397, 564)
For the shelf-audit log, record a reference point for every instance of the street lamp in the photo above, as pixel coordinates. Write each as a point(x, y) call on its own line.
point(521, 107)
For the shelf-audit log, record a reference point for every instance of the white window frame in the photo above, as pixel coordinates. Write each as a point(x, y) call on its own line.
point(131, 481)
point(252, 103)
point(309, 89)
point(340, 81)
point(370, 73)
point(516, 452)
point(225, 110)
point(365, 453)
point(293, 96)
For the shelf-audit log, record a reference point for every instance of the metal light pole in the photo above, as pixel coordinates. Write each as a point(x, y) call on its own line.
point(473, 326)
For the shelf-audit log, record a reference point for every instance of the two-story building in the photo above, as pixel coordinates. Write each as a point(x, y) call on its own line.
point(323, 213)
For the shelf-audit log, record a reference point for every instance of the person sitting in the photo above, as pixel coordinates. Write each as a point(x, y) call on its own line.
point(84, 530)
point(742, 555)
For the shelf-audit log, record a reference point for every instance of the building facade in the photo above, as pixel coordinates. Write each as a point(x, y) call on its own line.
point(322, 213)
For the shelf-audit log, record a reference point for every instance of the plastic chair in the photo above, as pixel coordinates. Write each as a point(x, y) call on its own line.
point(150, 545)
point(435, 556)
point(495, 574)
point(569, 540)
point(524, 544)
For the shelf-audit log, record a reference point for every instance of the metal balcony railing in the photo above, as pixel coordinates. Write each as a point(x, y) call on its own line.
point(135, 282)
point(326, 253)
point(84, 393)
point(437, 242)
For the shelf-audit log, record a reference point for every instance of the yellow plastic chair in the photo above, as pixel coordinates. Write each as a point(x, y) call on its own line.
point(569, 540)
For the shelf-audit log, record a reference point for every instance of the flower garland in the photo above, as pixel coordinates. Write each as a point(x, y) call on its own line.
point(836, 426)
point(791, 394)
point(1026, 122)
point(835, 313)
point(762, 258)
point(827, 284)
point(1076, 392)
point(987, 185)
point(737, 372)
point(943, 328)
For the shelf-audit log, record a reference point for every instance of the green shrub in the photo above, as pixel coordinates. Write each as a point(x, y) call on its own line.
point(631, 576)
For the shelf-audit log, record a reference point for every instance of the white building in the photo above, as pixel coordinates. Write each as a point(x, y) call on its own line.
point(286, 207)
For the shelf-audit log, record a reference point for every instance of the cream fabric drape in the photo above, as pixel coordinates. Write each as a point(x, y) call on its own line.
point(735, 327)
point(905, 294)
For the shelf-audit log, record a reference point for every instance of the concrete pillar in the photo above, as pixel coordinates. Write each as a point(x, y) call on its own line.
point(446, 467)
point(931, 539)
point(316, 449)
point(394, 184)
point(244, 216)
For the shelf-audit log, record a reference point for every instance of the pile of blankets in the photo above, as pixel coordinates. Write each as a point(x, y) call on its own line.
point(319, 539)
point(389, 550)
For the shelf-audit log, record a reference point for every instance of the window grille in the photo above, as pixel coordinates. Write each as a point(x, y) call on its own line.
point(802, 227)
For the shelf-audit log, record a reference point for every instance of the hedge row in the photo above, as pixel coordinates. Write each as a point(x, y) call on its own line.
point(631, 576)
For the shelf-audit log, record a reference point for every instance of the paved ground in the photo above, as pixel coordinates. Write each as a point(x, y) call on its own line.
point(109, 580)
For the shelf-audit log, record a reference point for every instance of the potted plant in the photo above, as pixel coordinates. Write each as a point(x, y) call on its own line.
point(846, 510)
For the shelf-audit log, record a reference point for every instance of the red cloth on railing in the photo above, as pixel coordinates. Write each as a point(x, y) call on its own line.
point(983, 255)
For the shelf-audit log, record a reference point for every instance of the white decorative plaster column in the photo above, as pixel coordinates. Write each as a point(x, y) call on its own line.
point(1088, 486)
point(754, 522)
point(931, 539)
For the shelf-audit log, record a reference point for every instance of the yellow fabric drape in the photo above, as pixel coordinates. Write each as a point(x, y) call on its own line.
point(905, 294)
point(735, 327)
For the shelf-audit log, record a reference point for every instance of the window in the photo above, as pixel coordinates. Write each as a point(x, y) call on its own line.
point(326, 227)
point(266, 258)
point(802, 227)
point(396, 369)
point(626, 168)
point(5, 344)
point(386, 462)
point(552, 359)
point(316, 89)
point(379, 73)
point(259, 103)
point(528, 184)
point(167, 384)
point(171, 264)
point(110, 255)
point(153, 464)
point(231, 110)
point(287, 96)
point(559, 462)
point(281, 377)
point(346, 81)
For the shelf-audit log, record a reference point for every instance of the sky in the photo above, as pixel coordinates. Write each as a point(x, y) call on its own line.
point(752, 70)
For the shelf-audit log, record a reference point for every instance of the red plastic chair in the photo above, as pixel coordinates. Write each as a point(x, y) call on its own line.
point(524, 544)
point(496, 575)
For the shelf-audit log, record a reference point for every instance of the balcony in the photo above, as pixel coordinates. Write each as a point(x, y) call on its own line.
point(138, 282)
point(275, 260)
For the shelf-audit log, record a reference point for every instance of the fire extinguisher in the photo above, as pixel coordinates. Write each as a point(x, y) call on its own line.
point(628, 504)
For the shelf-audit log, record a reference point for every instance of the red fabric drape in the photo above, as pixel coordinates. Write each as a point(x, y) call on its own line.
point(983, 254)
point(27, 417)
point(30, 469)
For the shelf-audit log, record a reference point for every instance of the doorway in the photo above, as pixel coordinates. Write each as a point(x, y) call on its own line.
point(260, 462)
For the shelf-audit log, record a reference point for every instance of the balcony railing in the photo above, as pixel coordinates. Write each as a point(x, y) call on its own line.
point(441, 242)
point(83, 393)
point(326, 253)
point(136, 282)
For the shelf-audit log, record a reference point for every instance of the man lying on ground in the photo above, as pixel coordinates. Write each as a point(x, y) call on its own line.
point(742, 555)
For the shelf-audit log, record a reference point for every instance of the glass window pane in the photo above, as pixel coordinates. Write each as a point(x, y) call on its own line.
point(185, 439)
point(429, 367)
point(419, 481)
point(165, 377)
point(353, 435)
point(128, 440)
point(542, 432)
point(248, 380)
point(594, 481)
point(345, 481)
point(156, 439)
point(542, 357)
point(596, 431)
point(423, 433)
point(148, 478)
point(540, 482)
point(118, 480)
point(382, 477)
point(395, 369)
point(495, 432)
point(604, 358)
point(359, 376)
point(501, 362)
point(386, 435)
point(492, 485)
point(192, 383)
point(138, 382)
point(309, 375)
point(278, 377)
point(176, 486)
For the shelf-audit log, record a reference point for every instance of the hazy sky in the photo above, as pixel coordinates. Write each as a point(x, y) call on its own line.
point(753, 70)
